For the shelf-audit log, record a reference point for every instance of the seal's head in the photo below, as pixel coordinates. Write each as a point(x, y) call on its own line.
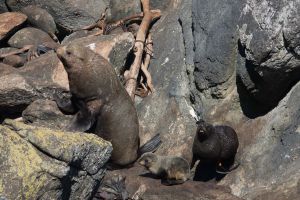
point(73, 56)
point(203, 129)
point(148, 160)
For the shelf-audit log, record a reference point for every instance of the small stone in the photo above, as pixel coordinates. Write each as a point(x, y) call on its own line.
point(14, 60)
point(9, 22)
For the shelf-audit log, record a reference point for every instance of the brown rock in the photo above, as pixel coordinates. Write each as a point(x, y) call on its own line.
point(9, 22)
point(37, 79)
point(14, 60)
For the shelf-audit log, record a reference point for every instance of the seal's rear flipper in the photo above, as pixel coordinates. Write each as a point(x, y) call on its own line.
point(233, 167)
point(150, 146)
point(171, 182)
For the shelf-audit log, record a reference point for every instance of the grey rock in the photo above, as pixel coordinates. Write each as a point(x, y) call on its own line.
point(67, 17)
point(94, 7)
point(37, 79)
point(43, 112)
point(269, 39)
point(29, 36)
point(3, 7)
point(162, 5)
point(7, 50)
point(215, 38)
point(269, 151)
point(50, 164)
point(167, 110)
point(40, 18)
point(119, 9)
point(115, 48)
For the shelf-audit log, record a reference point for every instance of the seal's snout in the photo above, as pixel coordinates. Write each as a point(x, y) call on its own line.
point(61, 51)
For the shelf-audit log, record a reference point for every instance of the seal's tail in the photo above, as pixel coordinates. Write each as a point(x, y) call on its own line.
point(150, 146)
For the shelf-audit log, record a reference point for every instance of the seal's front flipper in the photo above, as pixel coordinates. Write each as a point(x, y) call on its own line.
point(81, 122)
point(151, 145)
point(87, 115)
point(65, 105)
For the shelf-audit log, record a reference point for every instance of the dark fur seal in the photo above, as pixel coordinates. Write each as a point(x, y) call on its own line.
point(102, 100)
point(172, 169)
point(217, 144)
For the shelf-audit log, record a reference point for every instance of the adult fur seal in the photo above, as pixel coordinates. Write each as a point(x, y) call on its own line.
point(102, 102)
point(217, 144)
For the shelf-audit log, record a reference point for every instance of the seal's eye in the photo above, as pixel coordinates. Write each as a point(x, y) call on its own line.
point(68, 52)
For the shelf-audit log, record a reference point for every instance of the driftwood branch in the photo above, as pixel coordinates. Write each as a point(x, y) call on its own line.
point(145, 65)
point(131, 84)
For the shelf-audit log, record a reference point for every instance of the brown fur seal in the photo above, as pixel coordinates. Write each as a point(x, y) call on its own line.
point(172, 169)
point(101, 100)
point(217, 144)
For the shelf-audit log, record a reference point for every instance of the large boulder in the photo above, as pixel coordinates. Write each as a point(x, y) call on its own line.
point(40, 78)
point(215, 39)
point(167, 110)
point(269, 49)
point(29, 36)
point(67, 17)
point(268, 151)
point(38, 163)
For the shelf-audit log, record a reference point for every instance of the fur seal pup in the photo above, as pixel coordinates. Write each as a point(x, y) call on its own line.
point(172, 169)
point(102, 102)
point(217, 144)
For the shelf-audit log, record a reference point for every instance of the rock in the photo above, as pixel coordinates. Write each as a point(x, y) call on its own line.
point(40, 18)
point(3, 7)
point(167, 110)
point(37, 79)
point(94, 7)
point(124, 8)
point(29, 36)
point(215, 42)
point(14, 60)
point(38, 163)
point(10, 22)
point(76, 35)
point(66, 17)
point(271, 141)
point(46, 113)
point(115, 48)
point(136, 177)
point(161, 5)
point(269, 63)
point(7, 50)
